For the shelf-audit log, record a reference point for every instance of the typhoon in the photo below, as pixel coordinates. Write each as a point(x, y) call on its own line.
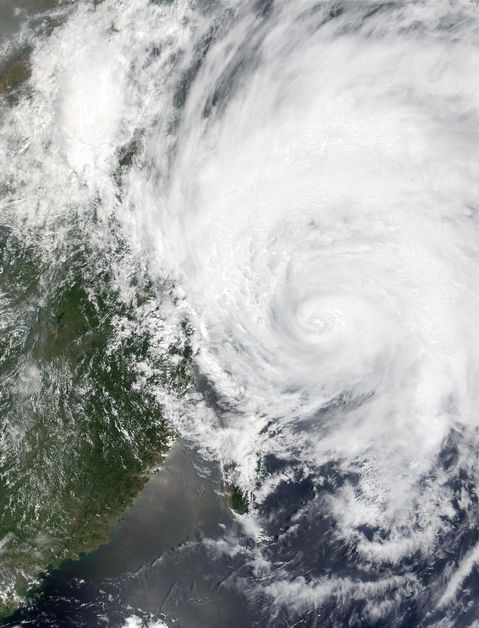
point(300, 181)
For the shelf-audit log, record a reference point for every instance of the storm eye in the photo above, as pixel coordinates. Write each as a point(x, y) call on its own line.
point(239, 296)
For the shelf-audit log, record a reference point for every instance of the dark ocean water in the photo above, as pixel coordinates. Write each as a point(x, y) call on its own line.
point(155, 564)
point(251, 227)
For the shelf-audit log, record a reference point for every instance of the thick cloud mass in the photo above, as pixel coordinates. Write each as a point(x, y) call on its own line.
point(307, 175)
point(321, 218)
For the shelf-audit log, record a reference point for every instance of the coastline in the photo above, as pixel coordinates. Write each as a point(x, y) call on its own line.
point(154, 564)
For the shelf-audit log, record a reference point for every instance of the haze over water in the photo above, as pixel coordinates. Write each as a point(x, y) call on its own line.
point(252, 226)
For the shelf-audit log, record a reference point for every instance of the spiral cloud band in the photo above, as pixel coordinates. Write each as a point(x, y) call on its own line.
point(322, 222)
point(306, 176)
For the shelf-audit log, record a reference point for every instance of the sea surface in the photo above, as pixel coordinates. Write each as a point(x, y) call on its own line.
point(239, 296)
point(153, 565)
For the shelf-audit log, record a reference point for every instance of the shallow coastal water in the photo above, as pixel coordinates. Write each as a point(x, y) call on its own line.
point(155, 564)
point(251, 227)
